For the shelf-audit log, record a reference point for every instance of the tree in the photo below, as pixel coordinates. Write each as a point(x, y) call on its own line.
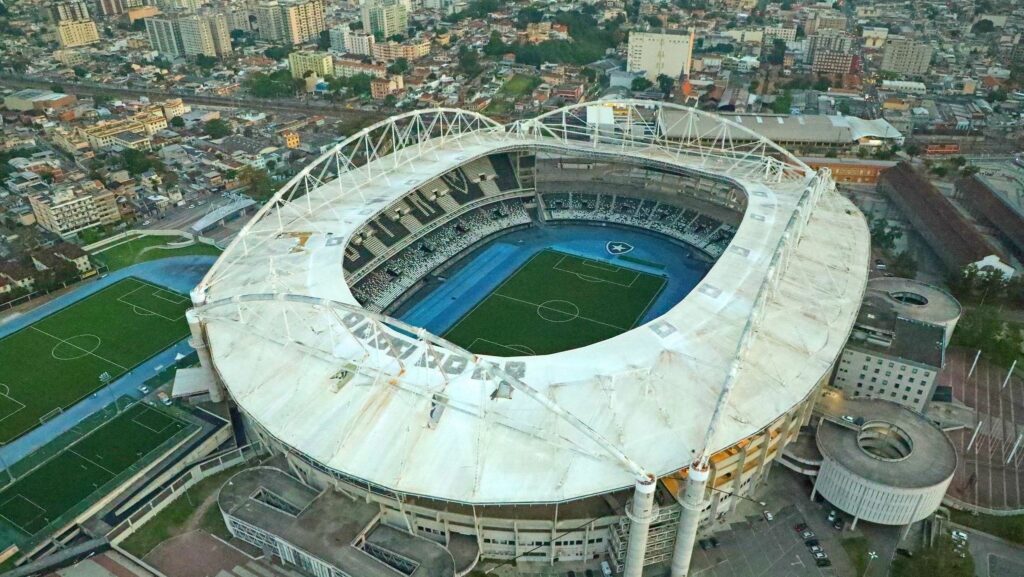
point(80, 72)
point(940, 560)
point(640, 84)
point(178, 122)
point(665, 84)
point(903, 264)
point(784, 103)
point(843, 107)
point(257, 182)
point(56, 88)
point(205, 62)
point(323, 42)
point(469, 61)
point(778, 52)
point(983, 26)
point(883, 235)
point(217, 128)
point(277, 52)
point(912, 149)
point(400, 66)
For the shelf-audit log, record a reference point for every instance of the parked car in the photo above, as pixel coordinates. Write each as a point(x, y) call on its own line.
point(807, 535)
point(832, 516)
point(823, 562)
point(714, 542)
point(815, 549)
point(905, 552)
point(849, 419)
point(839, 525)
point(703, 544)
point(958, 535)
point(768, 516)
point(820, 555)
point(812, 543)
point(144, 390)
point(164, 398)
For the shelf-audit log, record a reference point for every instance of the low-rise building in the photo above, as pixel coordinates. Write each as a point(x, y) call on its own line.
point(380, 88)
point(302, 63)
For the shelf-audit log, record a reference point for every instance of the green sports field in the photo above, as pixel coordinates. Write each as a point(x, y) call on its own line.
point(42, 496)
point(555, 302)
point(55, 362)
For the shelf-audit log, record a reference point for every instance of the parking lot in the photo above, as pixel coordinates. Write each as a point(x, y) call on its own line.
point(756, 547)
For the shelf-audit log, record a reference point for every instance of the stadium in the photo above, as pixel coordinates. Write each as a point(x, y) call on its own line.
point(581, 335)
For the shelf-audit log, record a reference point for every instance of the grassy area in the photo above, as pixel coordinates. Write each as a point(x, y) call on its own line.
point(1009, 528)
point(555, 302)
point(519, 85)
point(131, 252)
point(60, 359)
point(857, 550)
point(942, 560)
point(43, 496)
point(179, 515)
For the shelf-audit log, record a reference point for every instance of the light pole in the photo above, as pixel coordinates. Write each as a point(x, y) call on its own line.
point(871, 557)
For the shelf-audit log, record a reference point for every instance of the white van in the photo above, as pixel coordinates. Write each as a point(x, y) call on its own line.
point(606, 569)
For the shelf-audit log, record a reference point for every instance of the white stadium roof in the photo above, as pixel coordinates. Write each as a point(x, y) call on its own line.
point(419, 416)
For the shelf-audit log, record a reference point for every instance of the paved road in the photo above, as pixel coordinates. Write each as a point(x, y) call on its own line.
point(994, 557)
point(177, 273)
point(295, 106)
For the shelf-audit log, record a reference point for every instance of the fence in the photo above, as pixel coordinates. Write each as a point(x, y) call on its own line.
point(172, 491)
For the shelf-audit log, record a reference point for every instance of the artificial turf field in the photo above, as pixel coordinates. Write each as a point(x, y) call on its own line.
point(54, 362)
point(52, 489)
point(555, 302)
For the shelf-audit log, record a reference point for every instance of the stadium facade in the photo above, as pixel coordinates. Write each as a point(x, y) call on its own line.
point(627, 447)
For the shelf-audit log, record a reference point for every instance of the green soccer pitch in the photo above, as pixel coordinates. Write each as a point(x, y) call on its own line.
point(42, 496)
point(54, 362)
point(556, 302)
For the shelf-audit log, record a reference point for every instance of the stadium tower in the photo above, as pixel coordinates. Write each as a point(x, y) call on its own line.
point(623, 449)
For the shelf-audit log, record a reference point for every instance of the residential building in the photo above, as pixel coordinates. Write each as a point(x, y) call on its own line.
point(825, 20)
point(174, 107)
point(829, 40)
point(303, 20)
point(359, 42)
point(302, 63)
point(833, 62)
point(780, 32)
point(657, 53)
point(906, 56)
point(346, 67)
point(874, 36)
point(74, 208)
point(71, 10)
point(130, 133)
point(411, 50)
point(385, 18)
point(117, 7)
point(270, 20)
point(165, 36)
point(380, 88)
point(204, 34)
point(72, 33)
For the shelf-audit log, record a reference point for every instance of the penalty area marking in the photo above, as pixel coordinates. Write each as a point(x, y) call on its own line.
point(558, 266)
point(519, 349)
point(17, 526)
point(144, 311)
point(5, 393)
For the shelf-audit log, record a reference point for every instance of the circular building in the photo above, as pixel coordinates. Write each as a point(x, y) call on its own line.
point(478, 436)
point(915, 300)
point(882, 462)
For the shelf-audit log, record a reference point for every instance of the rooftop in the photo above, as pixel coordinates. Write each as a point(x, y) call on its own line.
point(327, 525)
point(931, 460)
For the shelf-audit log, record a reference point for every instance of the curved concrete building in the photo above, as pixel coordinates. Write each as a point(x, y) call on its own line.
point(890, 465)
point(918, 301)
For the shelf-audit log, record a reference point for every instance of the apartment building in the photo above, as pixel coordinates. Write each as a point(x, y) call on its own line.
point(165, 36)
point(657, 53)
point(74, 33)
point(302, 63)
point(411, 50)
point(71, 209)
point(131, 133)
point(385, 18)
point(270, 20)
point(906, 56)
point(380, 88)
point(71, 10)
point(303, 21)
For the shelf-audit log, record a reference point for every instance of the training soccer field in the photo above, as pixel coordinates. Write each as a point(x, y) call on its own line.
point(54, 488)
point(556, 302)
point(55, 362)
